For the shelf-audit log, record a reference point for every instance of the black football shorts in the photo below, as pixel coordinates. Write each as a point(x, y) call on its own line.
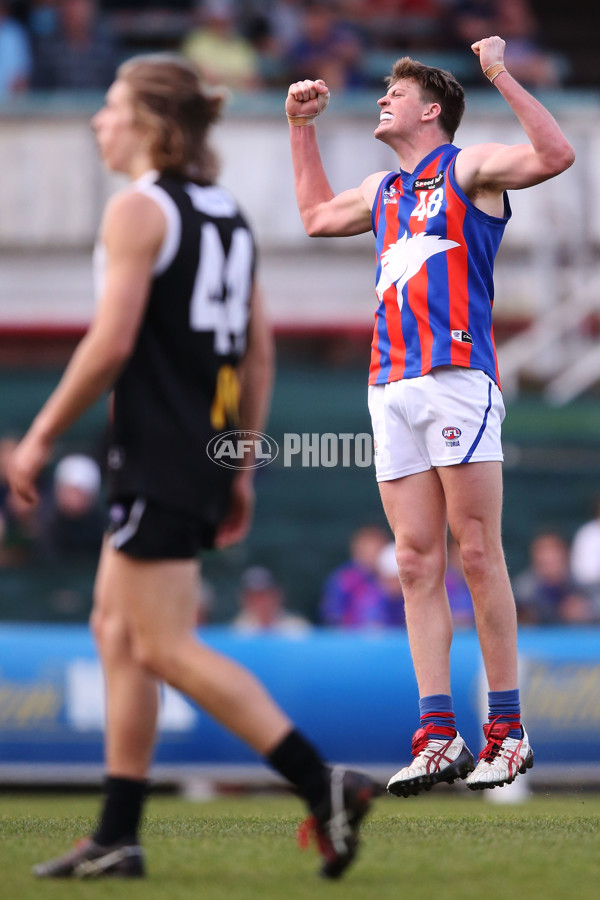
point(144, 529)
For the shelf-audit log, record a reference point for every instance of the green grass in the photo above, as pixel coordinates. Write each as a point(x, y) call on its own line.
point(448, 846)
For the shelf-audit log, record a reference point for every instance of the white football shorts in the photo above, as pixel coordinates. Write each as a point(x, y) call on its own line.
point(451, 415)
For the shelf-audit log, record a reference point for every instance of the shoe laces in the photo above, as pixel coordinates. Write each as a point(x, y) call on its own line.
point(310, 831)
point(496, 733)
point(421, 736)
point(80, 844)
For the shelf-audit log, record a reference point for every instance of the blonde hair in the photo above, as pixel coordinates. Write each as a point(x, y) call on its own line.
point(169, 99)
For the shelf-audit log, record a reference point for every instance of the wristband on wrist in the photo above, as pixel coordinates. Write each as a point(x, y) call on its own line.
point(300, 120)
point(494, 70)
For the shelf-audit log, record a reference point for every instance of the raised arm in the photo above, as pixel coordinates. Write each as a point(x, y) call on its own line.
point(323, 213)
point(494, 168)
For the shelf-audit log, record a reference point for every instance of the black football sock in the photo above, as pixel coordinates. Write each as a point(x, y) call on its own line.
point(298, 761)
point(122, 810)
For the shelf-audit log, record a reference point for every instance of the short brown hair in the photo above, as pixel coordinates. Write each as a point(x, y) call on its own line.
point(169, 98)
point(436, 85)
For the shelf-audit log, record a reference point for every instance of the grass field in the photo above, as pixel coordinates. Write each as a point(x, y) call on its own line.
point(450, 846)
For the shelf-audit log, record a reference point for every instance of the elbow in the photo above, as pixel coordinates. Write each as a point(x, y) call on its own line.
point(563, 159)
point(569, 157)
point(311, 227)
point(317, 231)
point(314, 225)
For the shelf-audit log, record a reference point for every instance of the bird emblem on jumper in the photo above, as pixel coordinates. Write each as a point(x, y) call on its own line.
point(403, 259)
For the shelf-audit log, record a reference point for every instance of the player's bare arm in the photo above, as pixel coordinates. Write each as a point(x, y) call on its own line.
point(323, 213)
point(493, 168)
point(256, 372)
point(132, 232)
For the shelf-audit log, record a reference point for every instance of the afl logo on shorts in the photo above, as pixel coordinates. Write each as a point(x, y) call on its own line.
point(451, 435)
point(242, 449)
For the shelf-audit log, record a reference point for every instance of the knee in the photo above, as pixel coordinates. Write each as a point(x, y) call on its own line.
point(109, 631)
point(417, 566)
point(475, 561)
point(154, 655)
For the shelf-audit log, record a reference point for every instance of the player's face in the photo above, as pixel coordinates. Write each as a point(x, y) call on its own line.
point(400, 110)
point(119, 139)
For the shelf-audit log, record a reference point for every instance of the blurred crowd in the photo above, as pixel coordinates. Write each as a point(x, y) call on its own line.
point(256, 44)
point(57, 545)
point(560, 586)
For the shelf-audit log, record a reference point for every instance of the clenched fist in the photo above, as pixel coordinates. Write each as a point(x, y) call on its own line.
point(490, 51)
point(306, 100)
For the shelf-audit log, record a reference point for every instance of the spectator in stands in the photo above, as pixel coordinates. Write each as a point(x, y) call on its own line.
point(73, 522)
point(459, 596)
point(353, 595)
point(216, 46)
point(472, 18)
point(405, 24)
point(15, 54)
point(82, 53)
point(391, 609)
point(42, 19)
point(527, 61)
point(285, 19)
point(585, 553)
point(269, 48)
point(19, 533)
point(546, 593)
point(263, 608)
point(327, 48)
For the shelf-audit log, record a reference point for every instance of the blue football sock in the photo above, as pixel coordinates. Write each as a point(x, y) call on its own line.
point(505, 706)
point(437, 710)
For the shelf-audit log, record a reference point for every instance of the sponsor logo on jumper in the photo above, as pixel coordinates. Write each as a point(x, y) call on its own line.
point(242, 449)
point(390, 195)
point(463, 336)
point(428, 184)
point(451, 435)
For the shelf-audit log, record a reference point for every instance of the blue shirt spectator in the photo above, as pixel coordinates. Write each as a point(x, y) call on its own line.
point(352, 598)
point(15, 55)
point(82, 54)
point(365, 591)
point(327, 48)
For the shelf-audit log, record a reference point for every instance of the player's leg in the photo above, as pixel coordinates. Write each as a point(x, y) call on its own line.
point(131, 693)
point(474, 500)
point(416, 509)
point(158, 599)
